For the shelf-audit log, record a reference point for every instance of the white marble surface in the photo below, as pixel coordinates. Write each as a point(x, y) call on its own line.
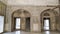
point(32, 2)
point(22, 32)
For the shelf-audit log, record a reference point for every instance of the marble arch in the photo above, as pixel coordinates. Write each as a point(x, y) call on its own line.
point(52, 16)
point(23, 14)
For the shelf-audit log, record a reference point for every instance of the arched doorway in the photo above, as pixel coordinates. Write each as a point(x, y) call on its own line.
point(23, 17)
point(48, 20)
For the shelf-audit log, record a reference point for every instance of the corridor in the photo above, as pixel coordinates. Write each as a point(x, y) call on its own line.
point(22, 32)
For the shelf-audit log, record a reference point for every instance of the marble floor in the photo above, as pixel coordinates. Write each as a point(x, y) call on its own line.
point(22, 32)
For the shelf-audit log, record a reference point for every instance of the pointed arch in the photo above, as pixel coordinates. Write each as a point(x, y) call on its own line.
point(51, 14)
point(24, 15)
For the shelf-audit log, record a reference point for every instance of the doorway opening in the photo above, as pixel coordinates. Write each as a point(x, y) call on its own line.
point(17, 23)
point(46, 24)
point(28, 24)
point(1, 24)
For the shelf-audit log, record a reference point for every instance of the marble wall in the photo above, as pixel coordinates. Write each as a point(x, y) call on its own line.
point(35, 12)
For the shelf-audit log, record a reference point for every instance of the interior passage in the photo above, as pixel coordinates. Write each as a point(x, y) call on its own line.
point(18, 23)
point(1, 23)
point(46, 24)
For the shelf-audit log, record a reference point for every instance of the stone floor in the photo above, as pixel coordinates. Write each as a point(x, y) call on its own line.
point(22, 32)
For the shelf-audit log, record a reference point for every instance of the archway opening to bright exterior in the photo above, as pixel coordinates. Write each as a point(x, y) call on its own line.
point(18, 23)
point(46, 24)
point(20, 20)
point(1, 24)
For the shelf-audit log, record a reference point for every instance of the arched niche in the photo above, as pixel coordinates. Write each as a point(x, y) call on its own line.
point(24, 15)
point(51, 14)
